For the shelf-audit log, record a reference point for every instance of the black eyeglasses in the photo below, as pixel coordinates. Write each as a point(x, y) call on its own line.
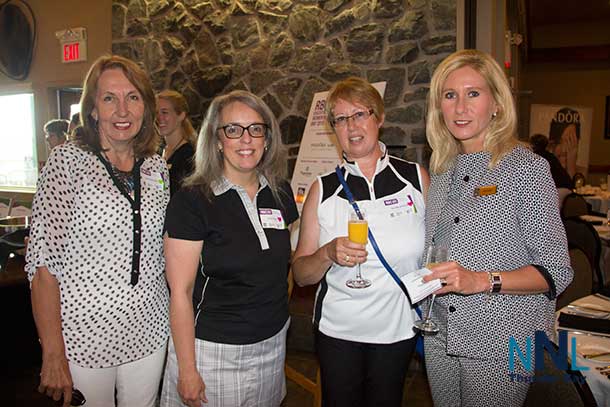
point(358, 118)
point(233, 130)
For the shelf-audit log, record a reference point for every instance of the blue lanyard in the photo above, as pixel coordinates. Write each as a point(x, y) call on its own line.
point(351, 200)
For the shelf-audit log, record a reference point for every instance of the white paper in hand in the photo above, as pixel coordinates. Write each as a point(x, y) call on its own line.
point(417, 289)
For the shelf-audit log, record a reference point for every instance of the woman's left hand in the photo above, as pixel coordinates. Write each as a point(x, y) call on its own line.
point(458, 279)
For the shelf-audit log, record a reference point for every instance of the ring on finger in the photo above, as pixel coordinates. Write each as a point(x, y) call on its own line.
point(347, 258)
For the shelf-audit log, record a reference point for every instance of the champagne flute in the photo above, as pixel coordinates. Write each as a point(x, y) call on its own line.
point(358, 230)
point(434, 255)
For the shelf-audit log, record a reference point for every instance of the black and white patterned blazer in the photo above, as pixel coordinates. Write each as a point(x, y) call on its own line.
point(518, 225)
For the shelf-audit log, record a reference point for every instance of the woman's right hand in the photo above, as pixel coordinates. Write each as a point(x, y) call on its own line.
point(55, 378)
point(346, 253)
point(191, 389)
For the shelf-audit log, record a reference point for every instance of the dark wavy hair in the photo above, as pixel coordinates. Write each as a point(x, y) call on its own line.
point(147, 141)
point(564, 118)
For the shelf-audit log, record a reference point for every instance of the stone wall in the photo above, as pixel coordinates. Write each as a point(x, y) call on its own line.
point(285, 51)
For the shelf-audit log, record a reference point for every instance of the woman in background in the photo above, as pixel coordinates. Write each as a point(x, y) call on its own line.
point(493, 203)
point(564, 136)
point(179, 134)
point(227, 234)
point(95, 255)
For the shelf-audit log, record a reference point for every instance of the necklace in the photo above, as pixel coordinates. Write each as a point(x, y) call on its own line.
point(125, 178)
point(168, 151)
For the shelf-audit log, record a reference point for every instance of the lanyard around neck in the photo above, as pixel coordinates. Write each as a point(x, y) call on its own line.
point(382, 259)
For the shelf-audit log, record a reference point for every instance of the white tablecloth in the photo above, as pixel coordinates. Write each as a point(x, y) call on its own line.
point(591, 343)
point(599, 203)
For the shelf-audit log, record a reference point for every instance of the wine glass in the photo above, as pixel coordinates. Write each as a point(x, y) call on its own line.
point(434, 255)
point(358, 230)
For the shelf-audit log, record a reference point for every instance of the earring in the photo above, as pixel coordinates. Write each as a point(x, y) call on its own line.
point(266, 147)
point(494, 114)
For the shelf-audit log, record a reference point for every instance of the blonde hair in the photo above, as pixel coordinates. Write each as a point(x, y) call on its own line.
point(501, 132)
point(209, 162)
point(180, 106)
point(354, 89)
point(147, 141)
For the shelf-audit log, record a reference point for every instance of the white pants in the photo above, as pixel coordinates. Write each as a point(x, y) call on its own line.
point(136, 383)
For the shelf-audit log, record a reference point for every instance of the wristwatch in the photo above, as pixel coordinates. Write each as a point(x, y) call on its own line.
point(495, 282)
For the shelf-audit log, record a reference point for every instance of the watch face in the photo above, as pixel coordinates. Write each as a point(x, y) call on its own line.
point(496, 282)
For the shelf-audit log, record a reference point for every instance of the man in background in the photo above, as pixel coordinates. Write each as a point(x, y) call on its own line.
point(55, 132)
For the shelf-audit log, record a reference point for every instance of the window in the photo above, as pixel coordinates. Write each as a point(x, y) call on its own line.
point(18, 163)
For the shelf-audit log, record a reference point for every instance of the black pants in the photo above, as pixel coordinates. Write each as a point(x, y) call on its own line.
point(358, 374)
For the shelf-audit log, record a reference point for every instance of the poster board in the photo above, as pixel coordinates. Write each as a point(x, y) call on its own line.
point(319, 152)
point(551, 120)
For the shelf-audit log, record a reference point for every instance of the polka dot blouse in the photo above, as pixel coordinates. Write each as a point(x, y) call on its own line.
point(85, 230)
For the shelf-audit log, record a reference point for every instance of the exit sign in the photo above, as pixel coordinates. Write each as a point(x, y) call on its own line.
point(73, 43)
point(71, 52)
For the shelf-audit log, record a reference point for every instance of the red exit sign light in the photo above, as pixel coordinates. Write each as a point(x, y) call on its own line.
point(73, 44)
point(71, 52)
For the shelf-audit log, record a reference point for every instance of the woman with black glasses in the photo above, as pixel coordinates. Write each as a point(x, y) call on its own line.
point(227, 235)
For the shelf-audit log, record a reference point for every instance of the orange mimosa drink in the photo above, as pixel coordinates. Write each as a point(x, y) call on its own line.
point(358, 231)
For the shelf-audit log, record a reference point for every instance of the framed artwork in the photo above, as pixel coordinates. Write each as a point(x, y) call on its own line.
point(607, 119)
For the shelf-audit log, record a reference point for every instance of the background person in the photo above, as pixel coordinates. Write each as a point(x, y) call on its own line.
point(364, 338)
point(179, 134)
point(55, 132)
point(564, 135)
point(232, 216)
point(95, 255)
point(74, 122)
point(494, 204)
point(561, 178)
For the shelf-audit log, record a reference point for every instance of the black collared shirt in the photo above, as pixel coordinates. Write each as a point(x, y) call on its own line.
point(241, 287)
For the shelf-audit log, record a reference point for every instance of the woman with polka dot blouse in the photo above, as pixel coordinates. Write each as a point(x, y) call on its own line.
point(227, 249)
point(493, 203)
point(95, 258)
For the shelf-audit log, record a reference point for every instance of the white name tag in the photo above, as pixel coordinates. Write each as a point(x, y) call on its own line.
point(418, 290)
point(396, 207)
point(271, 218)
point(154, 180)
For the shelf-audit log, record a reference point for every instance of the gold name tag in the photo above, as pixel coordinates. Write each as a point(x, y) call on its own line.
point(487, 190)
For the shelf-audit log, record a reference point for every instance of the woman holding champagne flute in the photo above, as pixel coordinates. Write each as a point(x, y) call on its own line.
point(493, 203)
point(364, 322)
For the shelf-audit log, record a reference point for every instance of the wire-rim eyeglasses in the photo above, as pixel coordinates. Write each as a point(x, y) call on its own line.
point(357, 118)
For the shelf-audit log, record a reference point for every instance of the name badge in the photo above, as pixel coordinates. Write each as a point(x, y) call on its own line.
point(154, 179)
point(399, 206)
point(486, 190)
point(271, 218)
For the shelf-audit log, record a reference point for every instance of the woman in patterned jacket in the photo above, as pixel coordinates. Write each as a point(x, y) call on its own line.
point(493, 203)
